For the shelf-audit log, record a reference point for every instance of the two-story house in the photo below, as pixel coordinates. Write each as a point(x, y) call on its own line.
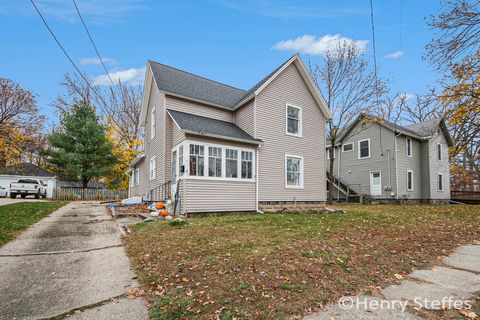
point(226, 149)
point(386, 161)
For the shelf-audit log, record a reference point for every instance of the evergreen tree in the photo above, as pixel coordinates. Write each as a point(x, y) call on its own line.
point(78, 148)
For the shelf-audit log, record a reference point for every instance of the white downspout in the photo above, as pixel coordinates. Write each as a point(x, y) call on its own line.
point(396, 166)
point(256, 181)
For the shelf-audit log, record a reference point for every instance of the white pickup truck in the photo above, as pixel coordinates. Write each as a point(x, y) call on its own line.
point(28, 187)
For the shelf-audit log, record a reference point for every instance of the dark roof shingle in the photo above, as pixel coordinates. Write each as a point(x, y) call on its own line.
point(203, 125)
point(25, 169)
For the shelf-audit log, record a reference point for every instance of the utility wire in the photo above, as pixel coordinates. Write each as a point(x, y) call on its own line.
point(374, 50)
point(104, 108)
point(93, 43)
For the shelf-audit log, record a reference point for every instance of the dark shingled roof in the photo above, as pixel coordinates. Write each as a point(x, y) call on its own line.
point(208, 126)
point(25, 169)
point(189, 85)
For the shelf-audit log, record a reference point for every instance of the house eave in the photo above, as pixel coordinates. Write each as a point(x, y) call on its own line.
point(217, 136)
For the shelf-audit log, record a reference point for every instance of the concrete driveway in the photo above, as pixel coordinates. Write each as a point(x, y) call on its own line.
point(70, 263)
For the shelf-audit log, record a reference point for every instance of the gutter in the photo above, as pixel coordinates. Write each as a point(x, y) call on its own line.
point(217, 136)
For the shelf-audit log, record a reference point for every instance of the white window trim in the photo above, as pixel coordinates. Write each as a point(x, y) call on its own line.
point(353, 147)
point(406, 147)
point(137, 182)
point(153, 125)
point(328, 153)
point(440, 174)
point(301, 172)
point(371, 183)
point(300, 122)
point(186, 159)
point(369, 149)
point(413, 187)
point(441, 151)
point(152, 160)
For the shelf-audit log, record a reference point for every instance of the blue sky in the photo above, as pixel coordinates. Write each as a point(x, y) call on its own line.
point(235, 42)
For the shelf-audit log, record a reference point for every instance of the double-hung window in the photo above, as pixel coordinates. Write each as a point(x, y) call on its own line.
point(247, 164)
point(293, 172)
point(364, 149)
point(409, 147)
point(294, 120)
point(214, 162)
point(196, 159)
point(439, 151)
point(231, 163)
point(409, 180)
point(153, 168)
point(153, 124)
point(440, 182)
point(180, 160)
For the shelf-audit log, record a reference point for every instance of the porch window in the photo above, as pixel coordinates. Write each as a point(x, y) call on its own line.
point(294, 120)
point(231, 157)
point(196, 160)
point(247, 164)
point(180, 160)
point(293, 172)
point(214, 162)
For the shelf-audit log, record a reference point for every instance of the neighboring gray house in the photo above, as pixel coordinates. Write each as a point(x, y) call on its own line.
point(227, 149)
point(383, 160)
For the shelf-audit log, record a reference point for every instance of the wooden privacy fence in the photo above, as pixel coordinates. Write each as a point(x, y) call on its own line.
point(466, 196)
point(88, 194)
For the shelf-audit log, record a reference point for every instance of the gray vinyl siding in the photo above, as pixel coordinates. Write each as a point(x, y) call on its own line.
point(245, 117)
point(199, 109)
point(178, 135)
point(439, 166)
point(356, 172)
point(203, 195)
point(413, 163)
point(270, 107)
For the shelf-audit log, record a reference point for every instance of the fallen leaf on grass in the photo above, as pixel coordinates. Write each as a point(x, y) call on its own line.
point(468, 314)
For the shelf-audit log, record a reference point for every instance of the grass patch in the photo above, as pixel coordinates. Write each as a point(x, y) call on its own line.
point(14, 218)
point(276, 266)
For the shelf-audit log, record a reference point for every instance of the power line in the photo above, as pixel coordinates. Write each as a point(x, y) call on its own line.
point(374, 50)
point(93, 43)
point(104, 108)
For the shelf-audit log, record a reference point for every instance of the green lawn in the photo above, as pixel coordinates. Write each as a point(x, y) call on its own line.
point(16, 217)
point(276, 266)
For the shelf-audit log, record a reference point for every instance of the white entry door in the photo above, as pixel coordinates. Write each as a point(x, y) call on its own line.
point(375, 183)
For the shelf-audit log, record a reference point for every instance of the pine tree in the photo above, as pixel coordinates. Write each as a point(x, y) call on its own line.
point(78, 148)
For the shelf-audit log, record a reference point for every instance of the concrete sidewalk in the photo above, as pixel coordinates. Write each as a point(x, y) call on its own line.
point(70, 262)
point(456, 282)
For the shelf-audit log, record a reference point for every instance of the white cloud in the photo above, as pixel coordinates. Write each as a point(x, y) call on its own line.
point(394, 55)
point(95, 61)
point(130, 76)
point(408, 96)
point(313, 45)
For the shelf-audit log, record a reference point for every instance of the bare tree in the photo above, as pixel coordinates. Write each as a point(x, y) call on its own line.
point(422, 108)
point(20, 122)
point(349, 86)
point(391, 107)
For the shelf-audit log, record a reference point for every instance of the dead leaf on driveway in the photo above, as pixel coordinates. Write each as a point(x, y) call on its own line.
point(134, 293)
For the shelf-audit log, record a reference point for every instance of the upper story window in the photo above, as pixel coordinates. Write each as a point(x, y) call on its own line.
point(439, 151)
point(409, 147)
point(214, 162)
point(153, 124)
point(153, 168)
point(293, 171)
point(348, 147)
point(328, 153)
point(137, 176)
point(364, 149)
point(247, 164)
point(294, 120)
point(231, 163)
point(196, 159)
point(409, 180)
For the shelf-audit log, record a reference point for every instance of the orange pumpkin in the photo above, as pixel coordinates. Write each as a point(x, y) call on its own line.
point(160, 205)
point(164, 213)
